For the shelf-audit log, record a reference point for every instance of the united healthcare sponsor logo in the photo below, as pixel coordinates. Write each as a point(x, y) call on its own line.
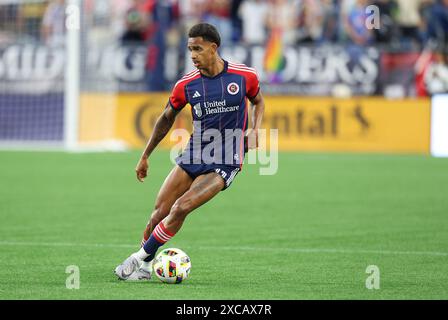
point(215, 107)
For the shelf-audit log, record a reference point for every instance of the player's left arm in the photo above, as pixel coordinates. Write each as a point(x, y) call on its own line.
point(257, 118)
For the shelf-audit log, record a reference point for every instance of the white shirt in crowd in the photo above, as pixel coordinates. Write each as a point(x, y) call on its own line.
point(253, 14)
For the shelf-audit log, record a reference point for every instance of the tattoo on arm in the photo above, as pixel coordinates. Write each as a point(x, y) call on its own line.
point(161, 129)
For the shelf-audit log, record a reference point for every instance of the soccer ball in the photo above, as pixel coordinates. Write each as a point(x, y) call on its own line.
point(172, 265)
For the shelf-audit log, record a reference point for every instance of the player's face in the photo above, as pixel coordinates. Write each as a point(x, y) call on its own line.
point(202, 52)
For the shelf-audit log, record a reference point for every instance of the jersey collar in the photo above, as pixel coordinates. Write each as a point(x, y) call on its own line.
point(226, 64)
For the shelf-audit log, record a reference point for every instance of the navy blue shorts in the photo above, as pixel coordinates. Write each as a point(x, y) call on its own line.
point(226, 172)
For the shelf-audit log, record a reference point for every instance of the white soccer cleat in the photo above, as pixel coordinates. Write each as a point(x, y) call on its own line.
point(127, 268)
point(140, 275)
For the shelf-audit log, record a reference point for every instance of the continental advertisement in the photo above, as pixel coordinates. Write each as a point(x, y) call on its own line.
point(303, 124)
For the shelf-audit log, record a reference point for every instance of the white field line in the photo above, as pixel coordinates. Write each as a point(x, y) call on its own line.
point(237, 248)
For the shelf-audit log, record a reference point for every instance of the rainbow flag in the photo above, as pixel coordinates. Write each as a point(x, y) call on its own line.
point(273, 58)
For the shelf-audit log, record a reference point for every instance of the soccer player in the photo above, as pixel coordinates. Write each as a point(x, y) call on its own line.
point(217, 91)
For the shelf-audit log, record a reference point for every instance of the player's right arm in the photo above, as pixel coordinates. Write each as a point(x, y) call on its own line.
point(163, 125)
point(161, 129)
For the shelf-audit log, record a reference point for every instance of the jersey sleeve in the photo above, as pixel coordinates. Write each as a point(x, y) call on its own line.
point(177, 98)
point(252, 85)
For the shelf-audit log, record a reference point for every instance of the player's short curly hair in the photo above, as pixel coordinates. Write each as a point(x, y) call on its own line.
point(206, 31)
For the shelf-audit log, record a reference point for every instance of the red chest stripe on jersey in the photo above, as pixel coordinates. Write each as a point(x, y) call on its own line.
point(243, 70)
point(189, 76)
point(238, 65)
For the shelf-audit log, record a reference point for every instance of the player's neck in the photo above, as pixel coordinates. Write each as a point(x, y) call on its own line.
point(215, 68)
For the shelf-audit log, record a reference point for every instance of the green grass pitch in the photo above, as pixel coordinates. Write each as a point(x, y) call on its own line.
point(308, 232)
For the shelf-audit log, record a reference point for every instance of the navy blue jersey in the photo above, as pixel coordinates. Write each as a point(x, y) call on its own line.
point(219, 109)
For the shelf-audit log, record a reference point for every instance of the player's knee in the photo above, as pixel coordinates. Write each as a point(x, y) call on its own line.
point(154, 220)
point(160, 211)
point(180, 209)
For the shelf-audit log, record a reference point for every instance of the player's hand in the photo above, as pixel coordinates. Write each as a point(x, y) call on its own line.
point(142, 169)
point(252, 139)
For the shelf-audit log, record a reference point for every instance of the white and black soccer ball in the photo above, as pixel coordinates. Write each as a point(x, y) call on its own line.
point(172, 265)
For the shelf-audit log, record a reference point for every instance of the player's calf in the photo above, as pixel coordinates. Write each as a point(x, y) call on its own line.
point(158, 238)
point(159, 213)
point(179, 211)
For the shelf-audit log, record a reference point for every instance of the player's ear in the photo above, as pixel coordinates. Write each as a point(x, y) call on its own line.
point(214, 47)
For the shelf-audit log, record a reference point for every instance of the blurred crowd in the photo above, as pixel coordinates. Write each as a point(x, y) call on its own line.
point(404, 22)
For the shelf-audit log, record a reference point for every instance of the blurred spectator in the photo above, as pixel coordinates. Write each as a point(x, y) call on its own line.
point(118, 16)
point(355, 24)
point(105, 20)
point(53, 24)
point(425, 14)
point(147, 10)
point(345, 7)
point(191, 12)
point(387, 30)
point(168, 18)
point(137, 18)
point(218, 14)
point(436, 78)
point(247, 21)
point(310, 20)
point(9, 15)
point(282, 16)
point(253, 14)
point(330, 20)
point(410, 20)
point(134, 25)
point(30, 17)
point(438, 22)
point(237, 22)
